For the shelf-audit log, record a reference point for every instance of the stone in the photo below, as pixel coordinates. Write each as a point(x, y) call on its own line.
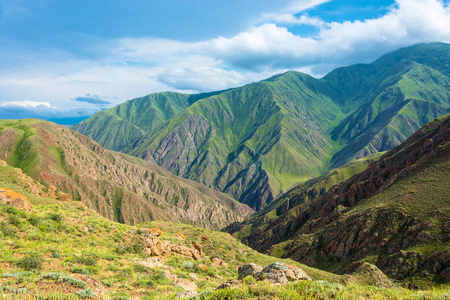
point(187, 285)
point(205, 238)
point(218, 262)
point(64, 197)
point(151, 262)
point(198, 247)
point(202, 267)
point(250, 269)
point(13, 199)
point(3, 163)
point(180, 236)
point(189, 294)
point(279, 272)
point(229, 284)
point(52, 192)
point(183, 250)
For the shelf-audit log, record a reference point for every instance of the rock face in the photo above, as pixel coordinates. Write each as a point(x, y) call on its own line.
point(381, 212)
point(13, 199)
point(120, 187)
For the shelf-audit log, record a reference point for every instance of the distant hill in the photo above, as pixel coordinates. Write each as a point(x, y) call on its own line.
point(120, 187)
point(254, 142)
point(394, 213)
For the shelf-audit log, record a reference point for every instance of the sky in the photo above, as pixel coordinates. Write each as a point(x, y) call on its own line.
point(67, 59)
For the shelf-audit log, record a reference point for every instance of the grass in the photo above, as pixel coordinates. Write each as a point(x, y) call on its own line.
point(48, 250)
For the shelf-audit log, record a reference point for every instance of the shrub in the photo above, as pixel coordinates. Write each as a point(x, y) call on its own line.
point(14, 220)
point(188, 265)
point(55, 255)
point(32, 261)
point(88, 259)
point(34, 220)
point(55, 217)
point(7, 230)
point(87, 293)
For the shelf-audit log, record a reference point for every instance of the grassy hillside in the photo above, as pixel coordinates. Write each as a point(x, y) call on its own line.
point(120, 187)
point(64, 250)
point(394, 214)
point(256, 141)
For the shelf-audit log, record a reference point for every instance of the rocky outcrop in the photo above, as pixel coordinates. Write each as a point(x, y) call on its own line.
point(275, 273)
point(282, 273)
point(250, 269)
point(13, 199)
point(153, 246)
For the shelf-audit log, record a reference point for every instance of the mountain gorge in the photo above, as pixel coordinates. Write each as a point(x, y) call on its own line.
point(256, 141)
point(123, 188)
point(394, 213)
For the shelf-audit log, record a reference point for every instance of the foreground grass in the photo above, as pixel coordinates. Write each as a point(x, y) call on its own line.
point(45, 252)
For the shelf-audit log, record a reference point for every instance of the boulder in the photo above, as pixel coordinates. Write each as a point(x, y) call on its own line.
point(13, 199)
point(187, 285)
point(52, 192)
point(218, 262)
point(64, 197)
point(183, 250)
point(180, 236)
point(205, 238)
point(250, 269)
point(198, 247)
point(3, 163)
point(279, 272)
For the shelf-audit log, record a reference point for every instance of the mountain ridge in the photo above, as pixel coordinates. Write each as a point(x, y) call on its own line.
point(256, 141)
point(120, 187)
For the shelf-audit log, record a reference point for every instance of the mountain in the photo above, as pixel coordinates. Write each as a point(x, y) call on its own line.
point(118, 186)
point(51, 249)
point(394, 214)
point(255, 142)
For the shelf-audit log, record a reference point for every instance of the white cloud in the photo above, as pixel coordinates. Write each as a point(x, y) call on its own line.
point(24, 104)
point(132, 67)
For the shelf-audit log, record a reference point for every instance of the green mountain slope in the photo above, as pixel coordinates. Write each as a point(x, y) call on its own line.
point(256, 141)
point(395, 214)
point(120, 187)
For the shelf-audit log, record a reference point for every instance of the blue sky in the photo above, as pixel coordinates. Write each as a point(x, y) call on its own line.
point(71, 58)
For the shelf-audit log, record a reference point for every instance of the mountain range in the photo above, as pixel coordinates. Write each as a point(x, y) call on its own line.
point(257, 141)
point(120, 187)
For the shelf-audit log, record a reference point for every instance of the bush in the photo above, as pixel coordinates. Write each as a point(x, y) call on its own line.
point(87, 293)
point(55, 255)
point(7, 230)
point(32, 261)
point(55, 217)
point(88, 259)
point(188, 265)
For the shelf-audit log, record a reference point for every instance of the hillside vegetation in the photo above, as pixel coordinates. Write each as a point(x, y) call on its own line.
point(254, 142)
point(51, 249)
point(395, 214)
point(120, 187)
